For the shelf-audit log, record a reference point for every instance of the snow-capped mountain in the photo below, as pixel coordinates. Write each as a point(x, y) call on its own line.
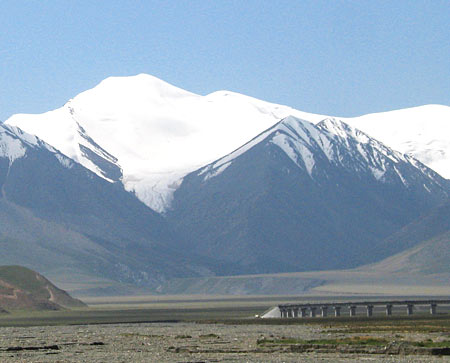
point(301, 196)
point(422, 132)
point(149, 134)
point(306, 192)
point(298, 138)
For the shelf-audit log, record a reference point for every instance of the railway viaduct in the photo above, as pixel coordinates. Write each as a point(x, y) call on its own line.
point(312, 310)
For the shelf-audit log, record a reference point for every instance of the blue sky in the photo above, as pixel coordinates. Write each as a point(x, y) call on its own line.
point(332, 57)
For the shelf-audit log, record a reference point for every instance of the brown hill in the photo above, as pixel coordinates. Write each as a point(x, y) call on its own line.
point(24, 289)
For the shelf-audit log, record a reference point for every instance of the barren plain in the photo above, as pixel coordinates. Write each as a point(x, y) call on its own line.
point(194, 330)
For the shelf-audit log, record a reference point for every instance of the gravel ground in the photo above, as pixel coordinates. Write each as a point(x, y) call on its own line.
point(177, 342)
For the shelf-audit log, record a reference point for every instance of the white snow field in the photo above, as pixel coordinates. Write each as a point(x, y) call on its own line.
point(157, 133)
point(422, 132)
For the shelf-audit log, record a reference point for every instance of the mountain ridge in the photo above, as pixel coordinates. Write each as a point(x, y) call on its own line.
point(300, 188)
point(149, 134)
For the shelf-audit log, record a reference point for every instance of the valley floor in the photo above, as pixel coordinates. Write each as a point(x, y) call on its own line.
point(188, 342)
point(198, 330)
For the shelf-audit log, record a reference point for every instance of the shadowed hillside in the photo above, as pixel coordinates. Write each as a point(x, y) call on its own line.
point(429, 257)
point(431, 227)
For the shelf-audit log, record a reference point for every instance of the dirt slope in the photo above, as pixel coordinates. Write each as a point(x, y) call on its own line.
point(24, 289)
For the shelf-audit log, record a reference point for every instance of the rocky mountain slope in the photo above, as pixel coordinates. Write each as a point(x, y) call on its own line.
point(62, 219)
point(429, 258)
point(421, 247)
point(302, 196)
point(24, 289)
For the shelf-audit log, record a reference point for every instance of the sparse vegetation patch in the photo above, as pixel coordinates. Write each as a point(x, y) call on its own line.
point(357, 340)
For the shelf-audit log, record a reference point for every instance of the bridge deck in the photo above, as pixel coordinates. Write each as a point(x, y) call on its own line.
point(367, 303)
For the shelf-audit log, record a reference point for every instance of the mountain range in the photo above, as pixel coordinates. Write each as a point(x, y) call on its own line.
point(139, 182)
point(149, 134)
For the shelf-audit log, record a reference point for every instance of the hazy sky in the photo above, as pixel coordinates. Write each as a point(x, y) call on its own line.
point(332, 57)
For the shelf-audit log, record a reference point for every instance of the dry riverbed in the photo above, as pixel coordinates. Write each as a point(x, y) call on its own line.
point(199, 342)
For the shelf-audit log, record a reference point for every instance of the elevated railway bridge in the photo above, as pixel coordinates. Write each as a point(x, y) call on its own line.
point(324, 309)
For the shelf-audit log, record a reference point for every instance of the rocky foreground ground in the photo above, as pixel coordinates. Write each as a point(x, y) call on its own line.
point(193, 342)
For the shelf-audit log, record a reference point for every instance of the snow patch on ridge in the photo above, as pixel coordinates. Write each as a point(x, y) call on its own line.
point(217, 171)
point(10, 147)
point(295, 151)
point(65, 161)
point(377, 173)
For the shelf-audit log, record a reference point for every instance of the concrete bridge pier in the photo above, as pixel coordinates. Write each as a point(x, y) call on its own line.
point(295, 311)
point(352, 310)
point(303, 312)
point(388, 309)
point(324, 310)
point(337, 311)
point(409, 309)
point(433, 308)
point(369, 310)
point(312, 310)
point(283, 313)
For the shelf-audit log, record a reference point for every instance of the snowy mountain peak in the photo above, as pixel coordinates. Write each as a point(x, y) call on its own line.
point(341, 129)
point(149, 134)
point(132, 90)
